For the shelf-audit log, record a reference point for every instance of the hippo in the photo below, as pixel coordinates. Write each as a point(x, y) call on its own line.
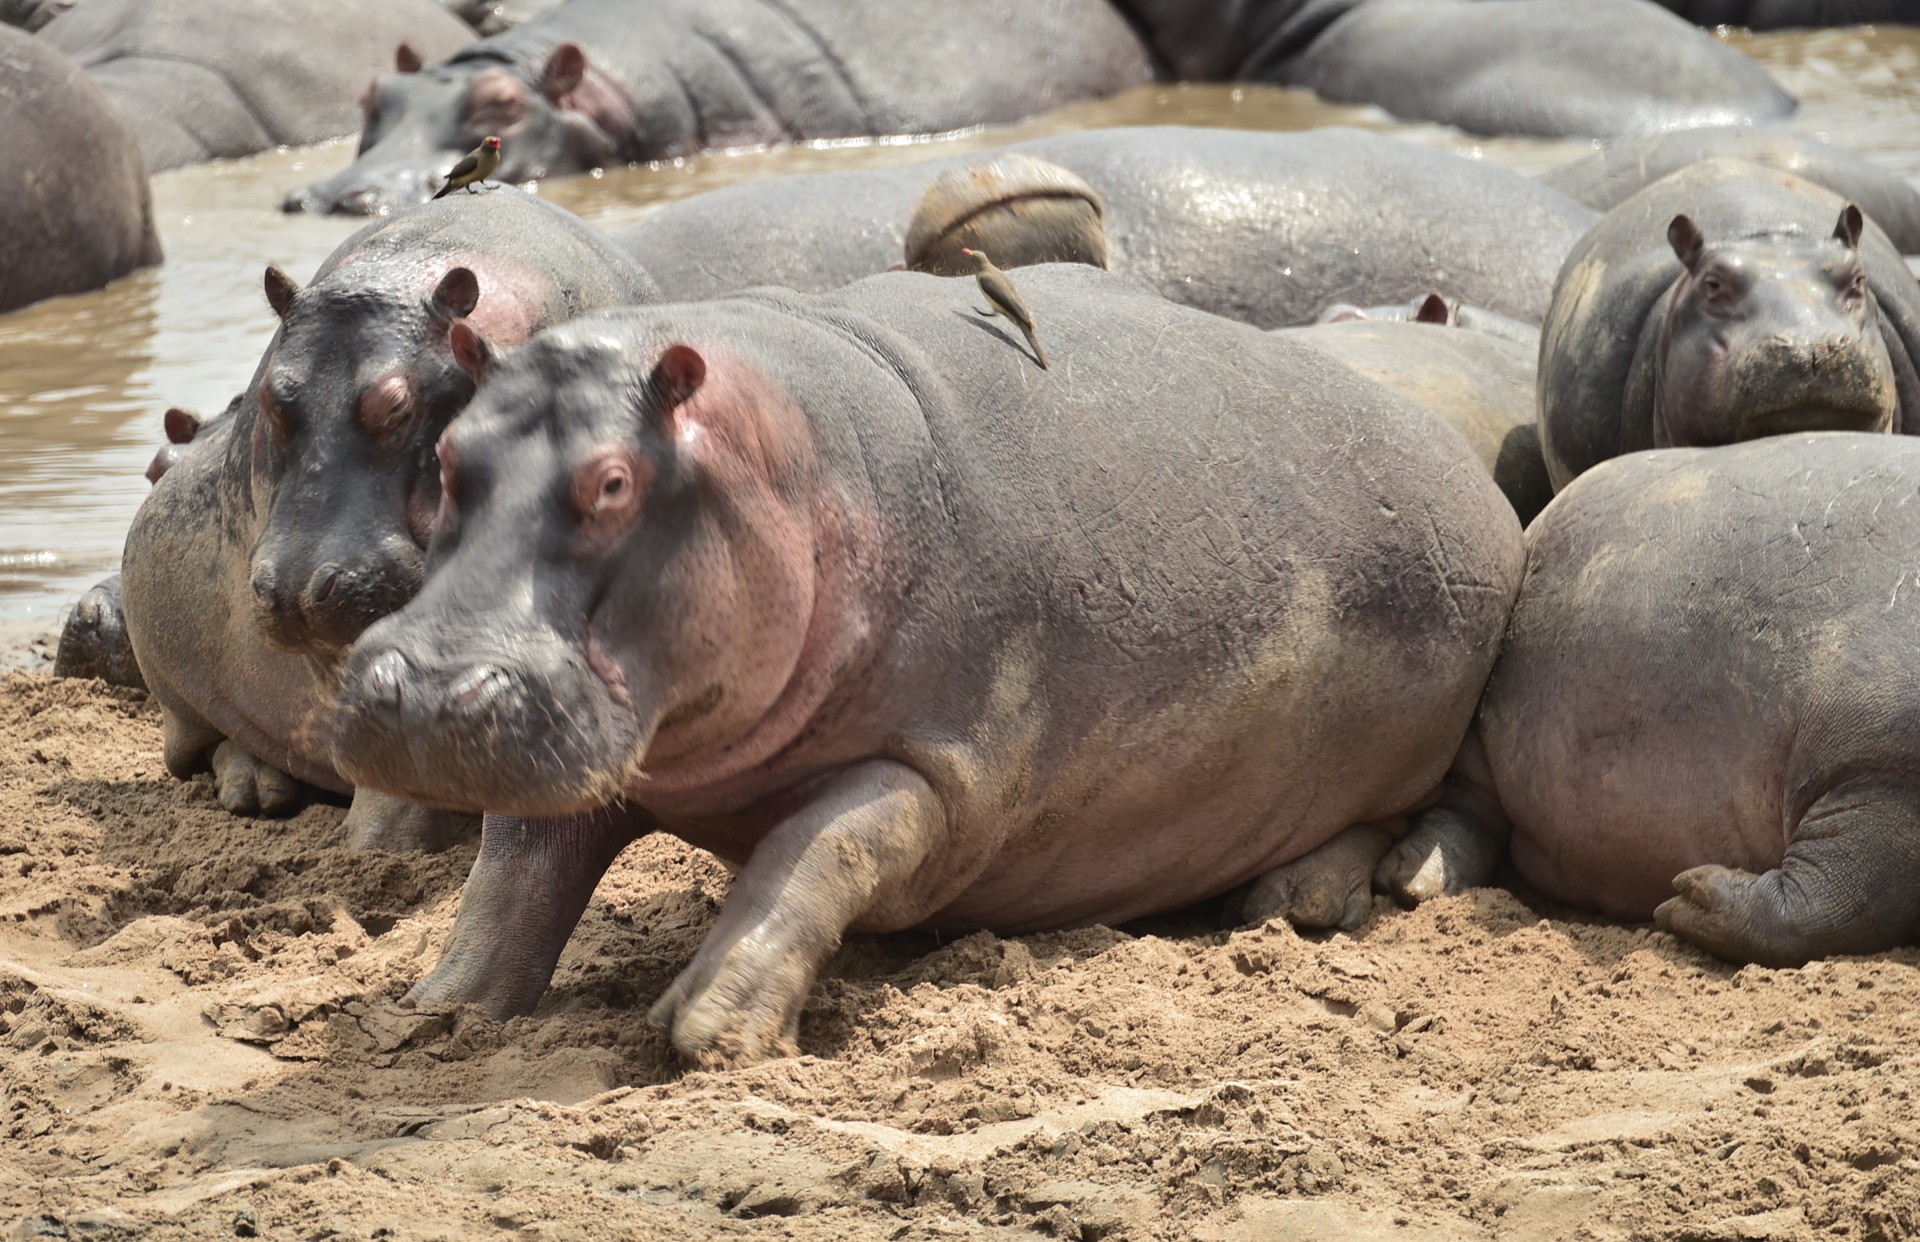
point(1705, 711)
point(1782, 14)
point(490, 17)
point(1266, 228)
point(1597, 69)
point(1480, 383)
point(1443, 311)
point(288, 525)
point(93, 640)
point(1723, 302)
point(845, 590)
point(31, 15)
point(75, 208)
point(209, 79)
point(597, 83)
point(1608, 176)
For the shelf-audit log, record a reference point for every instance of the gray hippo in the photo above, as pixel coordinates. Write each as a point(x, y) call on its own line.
point(1261, 227)
point(75, 210)
point(1441, 310)
point(30, 15)
point(1600, 68)
point(1480, 383)
point(845, 590)
point(1707, 711)
point(301, 516)
point(1620, 169)
point(1781, 14)
point(1723, 302)
point(208, 79)
point(594, 83)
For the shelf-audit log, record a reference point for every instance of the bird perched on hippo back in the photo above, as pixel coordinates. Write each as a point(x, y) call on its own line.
point(997, 288)
point(1723, 302)
point(474, 167)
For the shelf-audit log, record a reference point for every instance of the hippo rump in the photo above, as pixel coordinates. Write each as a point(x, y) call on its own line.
point(1265, 228)
point(75, 210)
point(1723, 302)
point(1481, 384)
point(288, 525)
point(594, 83)
point(1597, 69)
point(1620, 169)
point(1782, 14)
point(1708, 689)
point(209, 79)
point(845, 590)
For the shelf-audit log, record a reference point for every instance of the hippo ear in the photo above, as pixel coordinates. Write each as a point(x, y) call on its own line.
point(406, 58)
point(566, 66)
point(1685, 238)
point(1849, 228)
point(676, 377)
point(456, 295)
point(281, 290)
point(182, 425)
point(472, 352)
point(1434, 309)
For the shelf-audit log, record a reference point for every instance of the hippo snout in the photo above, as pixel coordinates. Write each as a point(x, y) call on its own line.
point(327, 608)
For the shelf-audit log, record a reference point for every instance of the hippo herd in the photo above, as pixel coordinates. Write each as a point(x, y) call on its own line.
point(1378, 516)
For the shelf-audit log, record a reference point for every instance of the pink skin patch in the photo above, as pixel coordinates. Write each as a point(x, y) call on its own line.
point(496, 102)
point(387, 405)
point(608, 670)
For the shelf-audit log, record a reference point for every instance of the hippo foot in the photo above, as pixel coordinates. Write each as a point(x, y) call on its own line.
point(1444, 853)
point(1331, 886)
point(378, 821)
point(738, 1003)
point(94, 642)
point(1714, 908)
point(250, 787)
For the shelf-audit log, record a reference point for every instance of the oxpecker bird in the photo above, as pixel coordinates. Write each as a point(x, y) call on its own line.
point(1004, 298)
point(474, 167)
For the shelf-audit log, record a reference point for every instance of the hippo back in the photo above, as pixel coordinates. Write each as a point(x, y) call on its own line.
point(1597, 348)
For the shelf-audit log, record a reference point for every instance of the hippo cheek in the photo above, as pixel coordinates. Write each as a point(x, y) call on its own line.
point(519, 725)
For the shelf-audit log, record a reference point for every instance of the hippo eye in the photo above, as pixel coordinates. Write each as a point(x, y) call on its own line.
point(276, 412)
point(1857, 286)
point(607, 489)
point(1712, 286)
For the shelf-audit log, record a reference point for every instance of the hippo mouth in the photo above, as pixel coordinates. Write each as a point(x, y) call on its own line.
point(522, 728)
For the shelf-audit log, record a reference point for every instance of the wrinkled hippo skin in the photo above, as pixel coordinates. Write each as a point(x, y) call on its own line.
point(1708, 689)
point(1776, 324)
point(1781, 14)
point(1259, 227)
point(1599, 68)
point(209, 79)
point(861, 601)
point(1609, 176)
point(300, 517)
point(75, 211)
point(595, 83)
point(1481, 384)
point(93, 642)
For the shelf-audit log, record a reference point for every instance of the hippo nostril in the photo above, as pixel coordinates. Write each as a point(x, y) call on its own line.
point(383, 678)
point(482, 684)
point(325, 581)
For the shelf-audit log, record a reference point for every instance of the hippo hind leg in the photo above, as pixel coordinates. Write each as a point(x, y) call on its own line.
point(1330, 886)
point(249, 787)
point(1457, 843)
point(1849, 883)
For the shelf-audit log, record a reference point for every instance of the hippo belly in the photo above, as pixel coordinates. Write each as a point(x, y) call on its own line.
point(1708, 684)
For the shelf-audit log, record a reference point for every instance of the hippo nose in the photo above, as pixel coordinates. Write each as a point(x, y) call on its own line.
point(325, 578)
point(385, 674)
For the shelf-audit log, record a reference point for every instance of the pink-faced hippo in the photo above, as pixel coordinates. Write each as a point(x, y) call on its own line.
point(605, 83)
point(844, 589)
point(210, 79)
point(75, 211)
point(1723, 302)
point(1707, 711)
point(301, 516)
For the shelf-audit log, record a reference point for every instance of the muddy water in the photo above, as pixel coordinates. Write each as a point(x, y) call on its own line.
point(84, 380)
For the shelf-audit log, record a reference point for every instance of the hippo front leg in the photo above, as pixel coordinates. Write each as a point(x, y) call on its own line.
point(526, 892)
point(1849, 883)
point(852, 855)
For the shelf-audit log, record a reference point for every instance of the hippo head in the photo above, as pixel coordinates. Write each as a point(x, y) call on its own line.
point(419, 122)
point(1019, 209)
point(354, 390)
point(1770, 334)
point(623, 576)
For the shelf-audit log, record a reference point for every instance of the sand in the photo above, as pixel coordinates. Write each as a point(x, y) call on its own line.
point(199, 1038)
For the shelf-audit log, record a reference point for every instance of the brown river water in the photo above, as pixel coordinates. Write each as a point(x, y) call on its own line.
point(84, 380)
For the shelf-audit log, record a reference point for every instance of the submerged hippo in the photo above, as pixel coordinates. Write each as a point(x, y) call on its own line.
point(1480, 383)
point(1708, 689)
point(596, 83)
point(291, 524)
point(847, 591)
point(1265, 228)
point(209, 79)
point(1442, 311)
point(1599, 68)
point(1608, 176)
point(75, 211)
point(1723, 302)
